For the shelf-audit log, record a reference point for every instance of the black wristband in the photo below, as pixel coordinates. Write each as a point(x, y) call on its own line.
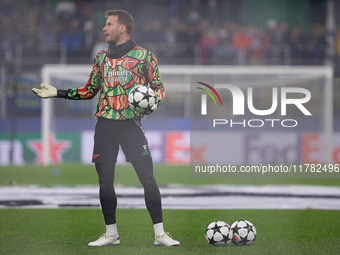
point(62, 93)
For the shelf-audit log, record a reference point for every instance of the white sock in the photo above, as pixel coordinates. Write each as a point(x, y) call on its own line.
point(159, 230)
point(111, 230)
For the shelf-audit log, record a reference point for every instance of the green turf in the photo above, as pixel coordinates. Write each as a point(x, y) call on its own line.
point(67, 231)
point(125, 175)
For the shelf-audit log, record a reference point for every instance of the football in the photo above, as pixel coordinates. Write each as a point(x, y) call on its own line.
point(244, 233)
point(218, 233)
point(141, 99)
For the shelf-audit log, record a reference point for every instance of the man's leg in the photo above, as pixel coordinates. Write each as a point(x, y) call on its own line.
point(135, 147)
point(144, 170)
point(104, 156)
point(152, 196)
point(108, 202)
point(107, 194)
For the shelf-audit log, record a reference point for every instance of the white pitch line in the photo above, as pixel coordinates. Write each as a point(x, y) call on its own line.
point(178, 197)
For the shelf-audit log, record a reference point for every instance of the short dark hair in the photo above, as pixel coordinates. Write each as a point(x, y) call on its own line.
point(123, 18)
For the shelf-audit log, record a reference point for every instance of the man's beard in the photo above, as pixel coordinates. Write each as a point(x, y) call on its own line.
point(113, 41)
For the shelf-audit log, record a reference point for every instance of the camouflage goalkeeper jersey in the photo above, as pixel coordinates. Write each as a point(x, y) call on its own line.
point(114, 78)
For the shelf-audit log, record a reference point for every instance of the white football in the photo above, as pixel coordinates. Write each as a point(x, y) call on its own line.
point(141, 99)
point(244, 233)
point(218, 233)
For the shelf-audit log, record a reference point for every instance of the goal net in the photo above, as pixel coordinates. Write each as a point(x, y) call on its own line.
point(70, 123)
point(178, 129)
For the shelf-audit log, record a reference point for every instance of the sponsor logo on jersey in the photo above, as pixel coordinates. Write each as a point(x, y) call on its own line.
point(117, 76)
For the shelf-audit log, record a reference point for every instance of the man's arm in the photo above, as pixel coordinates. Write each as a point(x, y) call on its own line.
point(155, 81)
point(88, 92)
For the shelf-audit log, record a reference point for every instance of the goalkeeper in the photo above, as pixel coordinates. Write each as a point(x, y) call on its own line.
point(115, 72)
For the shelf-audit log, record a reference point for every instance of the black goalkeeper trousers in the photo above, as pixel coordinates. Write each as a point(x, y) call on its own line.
point(107, 194)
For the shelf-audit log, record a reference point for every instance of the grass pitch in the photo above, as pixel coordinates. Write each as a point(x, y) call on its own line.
point(67, 231)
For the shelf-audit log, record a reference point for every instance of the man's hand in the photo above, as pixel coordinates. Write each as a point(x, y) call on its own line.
point(46, 91)
point(153, 108)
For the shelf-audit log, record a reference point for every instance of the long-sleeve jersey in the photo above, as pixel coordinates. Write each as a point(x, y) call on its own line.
point(114, 78)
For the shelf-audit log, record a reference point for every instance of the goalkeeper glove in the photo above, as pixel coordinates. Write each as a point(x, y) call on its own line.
point(153, 108)
point(46, 91)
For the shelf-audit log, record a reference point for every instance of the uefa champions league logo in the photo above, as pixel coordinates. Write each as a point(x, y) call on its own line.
point(302, 96)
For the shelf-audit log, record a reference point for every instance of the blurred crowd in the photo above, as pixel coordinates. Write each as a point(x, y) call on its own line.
point(186, 32)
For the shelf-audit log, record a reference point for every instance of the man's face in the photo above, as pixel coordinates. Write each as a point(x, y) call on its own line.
point(113, 29)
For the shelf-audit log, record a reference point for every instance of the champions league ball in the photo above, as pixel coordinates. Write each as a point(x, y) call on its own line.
point(141, 99)
point(244, 233)
point(218, 233)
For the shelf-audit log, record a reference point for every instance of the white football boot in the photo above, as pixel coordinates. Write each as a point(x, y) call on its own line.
point(165, 240)
point(105, 240)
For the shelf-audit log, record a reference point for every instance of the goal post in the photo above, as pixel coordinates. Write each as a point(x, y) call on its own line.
point(177, 80)
point(77, 72)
